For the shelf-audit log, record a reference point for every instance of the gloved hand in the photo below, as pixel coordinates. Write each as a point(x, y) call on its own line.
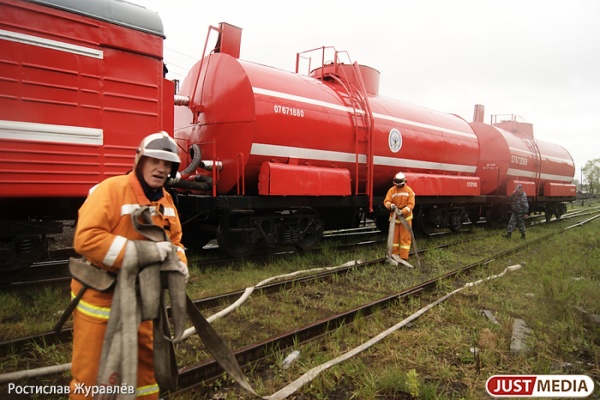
point(405, 211)
point(182, 268)
point(164, 248)
point(393, 207)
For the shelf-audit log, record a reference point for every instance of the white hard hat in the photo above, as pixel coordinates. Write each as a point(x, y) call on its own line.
point(399, 179)
point(161, 146)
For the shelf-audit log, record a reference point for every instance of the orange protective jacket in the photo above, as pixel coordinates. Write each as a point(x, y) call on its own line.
point(103, 228)
point(404, 199)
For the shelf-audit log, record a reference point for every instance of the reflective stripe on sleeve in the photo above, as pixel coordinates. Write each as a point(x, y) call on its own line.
point(169, 212)
point(114, 250)
point(127, 209)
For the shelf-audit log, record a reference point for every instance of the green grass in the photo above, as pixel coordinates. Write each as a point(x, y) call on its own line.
point(429, 359)
point(31, 312)
point(433, 358)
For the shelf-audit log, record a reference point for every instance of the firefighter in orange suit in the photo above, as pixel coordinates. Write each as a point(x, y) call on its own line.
point(104, 236)
point(400, 198)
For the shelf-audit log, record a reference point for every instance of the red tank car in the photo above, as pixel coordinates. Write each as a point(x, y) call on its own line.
point(82, 83)
point(510, 154)
point(276, 156)
point(325, 144)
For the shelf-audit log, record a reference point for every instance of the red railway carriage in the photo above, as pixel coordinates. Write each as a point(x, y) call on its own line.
point(287, 140)
point(81, 82)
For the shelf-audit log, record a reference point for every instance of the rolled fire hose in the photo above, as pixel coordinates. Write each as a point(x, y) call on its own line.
point(213, 342)
point(390, 241)
point(119, 357)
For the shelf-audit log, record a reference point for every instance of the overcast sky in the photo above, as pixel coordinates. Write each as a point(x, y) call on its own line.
point(539, 59)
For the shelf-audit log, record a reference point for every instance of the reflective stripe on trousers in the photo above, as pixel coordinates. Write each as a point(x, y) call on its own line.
point(88, 338)
point(92, 310)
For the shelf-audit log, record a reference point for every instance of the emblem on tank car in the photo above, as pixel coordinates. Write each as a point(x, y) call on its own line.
point(395, 140)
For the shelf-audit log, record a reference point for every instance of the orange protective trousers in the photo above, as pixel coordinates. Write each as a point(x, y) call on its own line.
point(88, 338)
point(402, 239)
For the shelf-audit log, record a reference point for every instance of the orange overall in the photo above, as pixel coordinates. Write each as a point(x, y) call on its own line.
point(103, 229)
point(404, 200)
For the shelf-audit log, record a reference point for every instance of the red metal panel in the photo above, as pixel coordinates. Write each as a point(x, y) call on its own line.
point(297, 180)
point(78, 94)
point(167, 105)
point(559, 190)
point(494, 156)
point(443, 185)
point(230, 40)
point(556, 165)
point(227, 123)
point(528, 187)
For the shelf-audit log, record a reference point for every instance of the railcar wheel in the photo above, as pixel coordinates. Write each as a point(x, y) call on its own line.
point(424, 224)
point(455, 223)
point(494, 217)
point(196, 236)
point(383, 223)
point(426, 228)
point(233, 243)
point(561, 209)
point(18, 253)
point(474, 216)
point(313, 228)
point(455, 227)
point(11, 274)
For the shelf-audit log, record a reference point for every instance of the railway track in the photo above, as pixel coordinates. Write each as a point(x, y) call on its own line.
point(254, 353)
point(206, 304)
point(54, 272)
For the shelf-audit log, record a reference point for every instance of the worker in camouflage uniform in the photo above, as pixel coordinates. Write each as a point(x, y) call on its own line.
point(520, 209)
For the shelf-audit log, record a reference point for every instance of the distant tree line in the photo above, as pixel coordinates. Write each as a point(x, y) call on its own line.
point(591, 175)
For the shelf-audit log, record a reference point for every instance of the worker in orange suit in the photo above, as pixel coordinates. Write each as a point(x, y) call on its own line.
point(400, 198)
point(105, 236)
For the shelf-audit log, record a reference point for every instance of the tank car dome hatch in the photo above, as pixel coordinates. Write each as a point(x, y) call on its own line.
point(347, 74)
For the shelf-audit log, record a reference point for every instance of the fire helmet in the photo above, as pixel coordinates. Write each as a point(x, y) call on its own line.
point(399, 180)
point(161, 146)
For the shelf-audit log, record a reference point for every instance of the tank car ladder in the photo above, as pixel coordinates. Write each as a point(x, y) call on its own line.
point(360, 98)
point(361, 111)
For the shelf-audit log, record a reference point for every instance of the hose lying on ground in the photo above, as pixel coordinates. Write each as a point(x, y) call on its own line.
point(313, 373)
point(309, 375)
